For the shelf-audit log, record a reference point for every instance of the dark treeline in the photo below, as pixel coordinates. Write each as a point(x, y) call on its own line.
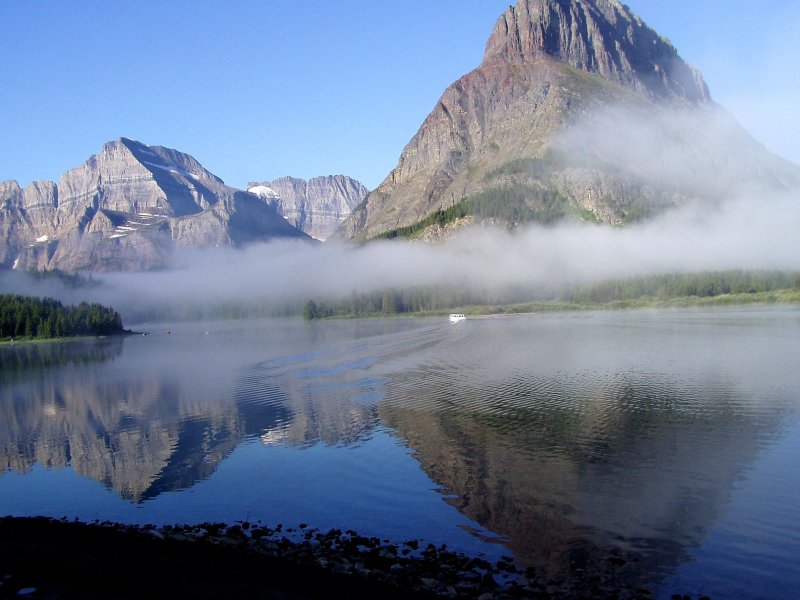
point(211, 311)
point(659, 287)
point(391, 301)
point(26, 317)
point(70, 280)
point(680, 285)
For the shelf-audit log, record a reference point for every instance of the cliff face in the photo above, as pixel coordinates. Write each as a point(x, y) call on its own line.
point(317, 206)
point(596, 36)
point(571, 98)
point(126, 208)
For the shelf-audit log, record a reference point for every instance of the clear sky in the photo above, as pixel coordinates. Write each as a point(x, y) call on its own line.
point(260, 89)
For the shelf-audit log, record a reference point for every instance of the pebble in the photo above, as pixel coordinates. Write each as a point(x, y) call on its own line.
point(429, 583)
point(411, 565)
point(155, 533)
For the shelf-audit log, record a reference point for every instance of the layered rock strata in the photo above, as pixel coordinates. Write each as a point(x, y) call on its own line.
point(317, 206)
point(127, 208)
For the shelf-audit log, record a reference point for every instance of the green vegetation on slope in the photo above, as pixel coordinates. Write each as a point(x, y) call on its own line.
point(23, 317)
point(510, 204)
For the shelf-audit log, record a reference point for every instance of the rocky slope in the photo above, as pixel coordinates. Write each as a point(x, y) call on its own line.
point(317, 206)
point(578, 110)
point(126, 208)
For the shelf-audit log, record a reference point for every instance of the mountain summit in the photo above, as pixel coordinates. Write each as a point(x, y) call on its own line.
point(578, 111)
point(125, 209)
point(596, 36)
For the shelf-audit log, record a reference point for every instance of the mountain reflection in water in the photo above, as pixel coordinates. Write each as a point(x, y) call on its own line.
point(573, 438)
point(131, 433)
point(576, 440)
point(165, 418)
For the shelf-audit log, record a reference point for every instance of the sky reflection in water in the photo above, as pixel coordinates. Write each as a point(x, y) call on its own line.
point(660, 437)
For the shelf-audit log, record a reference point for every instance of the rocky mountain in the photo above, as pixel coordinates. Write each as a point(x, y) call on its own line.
point(317, 206)
point(578, 110)
point(127, 208)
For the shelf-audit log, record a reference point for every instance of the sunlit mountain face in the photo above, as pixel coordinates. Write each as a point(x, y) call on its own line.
point(579, 112)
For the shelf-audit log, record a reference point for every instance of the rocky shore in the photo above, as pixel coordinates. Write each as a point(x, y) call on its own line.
point(47, 558)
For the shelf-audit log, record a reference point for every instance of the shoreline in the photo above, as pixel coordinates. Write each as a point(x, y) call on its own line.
point(43, 557)
point(16, 341)
point(790, 298)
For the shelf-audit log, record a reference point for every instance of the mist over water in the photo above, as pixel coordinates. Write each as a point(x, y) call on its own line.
point(745, 215)
point(562, 439)
point(750, 233)
point(565, 439)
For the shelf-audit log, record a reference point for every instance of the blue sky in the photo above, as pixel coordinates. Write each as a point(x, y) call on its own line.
point(260, 89)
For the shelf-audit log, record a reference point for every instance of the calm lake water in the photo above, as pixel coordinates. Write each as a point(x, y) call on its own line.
point(668, 439)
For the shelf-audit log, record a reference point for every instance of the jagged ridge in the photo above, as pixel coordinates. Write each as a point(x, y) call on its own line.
point(317, 206)
point(599, 36)
point(125, 209)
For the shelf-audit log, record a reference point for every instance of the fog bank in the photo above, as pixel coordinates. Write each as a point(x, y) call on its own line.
point(750, 233)
point(699, 156)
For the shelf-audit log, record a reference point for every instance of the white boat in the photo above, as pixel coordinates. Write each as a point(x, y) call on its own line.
point(456, 317)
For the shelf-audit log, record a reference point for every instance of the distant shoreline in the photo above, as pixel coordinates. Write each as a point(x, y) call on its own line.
point(21, 341)
point(785, 297)
point(662, 290)
point(774, 298)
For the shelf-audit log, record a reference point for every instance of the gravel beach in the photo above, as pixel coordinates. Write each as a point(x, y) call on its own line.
point(47, 558)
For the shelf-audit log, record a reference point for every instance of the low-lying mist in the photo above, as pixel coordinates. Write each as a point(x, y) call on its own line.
point(699, 153)
point(750, 233)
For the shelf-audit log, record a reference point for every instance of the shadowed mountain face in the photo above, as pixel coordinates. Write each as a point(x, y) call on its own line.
point(127, 208)
point(578, 110)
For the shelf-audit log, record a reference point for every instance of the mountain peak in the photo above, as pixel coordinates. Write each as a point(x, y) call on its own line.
point(579, 110)
point(597, 36)
point(317, 206)
point(127, 208)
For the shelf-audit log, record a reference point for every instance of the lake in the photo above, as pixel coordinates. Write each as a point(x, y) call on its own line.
point(666, 442)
